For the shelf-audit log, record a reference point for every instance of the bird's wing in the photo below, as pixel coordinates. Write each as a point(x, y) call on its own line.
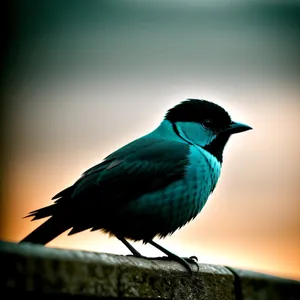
point(140, 167)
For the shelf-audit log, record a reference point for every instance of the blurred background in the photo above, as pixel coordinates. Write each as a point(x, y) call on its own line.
point(80, 79)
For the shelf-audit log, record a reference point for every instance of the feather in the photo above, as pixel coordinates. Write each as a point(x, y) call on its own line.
point(47, 231)
point(141, 167)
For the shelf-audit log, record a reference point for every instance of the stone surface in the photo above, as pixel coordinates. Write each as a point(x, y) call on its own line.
point(34, 268)
point(43, 271)
point(258, 286)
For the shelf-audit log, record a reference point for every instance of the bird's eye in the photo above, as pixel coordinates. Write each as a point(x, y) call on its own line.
point(207, 123)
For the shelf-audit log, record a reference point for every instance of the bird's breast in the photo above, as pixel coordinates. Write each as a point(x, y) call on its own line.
point(179, 202)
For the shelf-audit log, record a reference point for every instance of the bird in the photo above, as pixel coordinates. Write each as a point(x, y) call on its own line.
point(149, 188)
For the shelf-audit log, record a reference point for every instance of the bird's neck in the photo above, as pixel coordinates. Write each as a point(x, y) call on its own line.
point(165, 131)
point(216, 146)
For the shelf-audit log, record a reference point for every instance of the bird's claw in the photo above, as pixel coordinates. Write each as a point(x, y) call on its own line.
point(185, 261)
point(191, 259)
point(188, 260)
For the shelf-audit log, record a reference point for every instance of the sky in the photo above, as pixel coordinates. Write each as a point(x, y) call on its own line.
point(81, 79)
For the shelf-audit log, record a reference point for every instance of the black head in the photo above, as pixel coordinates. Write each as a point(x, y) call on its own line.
point(209, 114)
point(212, 117)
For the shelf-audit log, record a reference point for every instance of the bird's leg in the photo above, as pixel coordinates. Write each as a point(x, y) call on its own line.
point(132, 250)
point(181, 260)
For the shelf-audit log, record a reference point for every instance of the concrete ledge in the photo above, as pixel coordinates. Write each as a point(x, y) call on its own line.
point(42, 271)
point(256, 286)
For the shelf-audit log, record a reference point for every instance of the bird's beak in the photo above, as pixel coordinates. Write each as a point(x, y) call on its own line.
point(236, 127)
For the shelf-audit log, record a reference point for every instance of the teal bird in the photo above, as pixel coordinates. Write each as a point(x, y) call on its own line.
point(151, 186)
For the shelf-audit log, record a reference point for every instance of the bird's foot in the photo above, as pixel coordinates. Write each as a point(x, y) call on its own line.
point(192, 259)
point(137, 255)
point(150, 258)
point(185, 261)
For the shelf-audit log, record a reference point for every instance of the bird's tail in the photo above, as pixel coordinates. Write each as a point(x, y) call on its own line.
point(47, 231)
